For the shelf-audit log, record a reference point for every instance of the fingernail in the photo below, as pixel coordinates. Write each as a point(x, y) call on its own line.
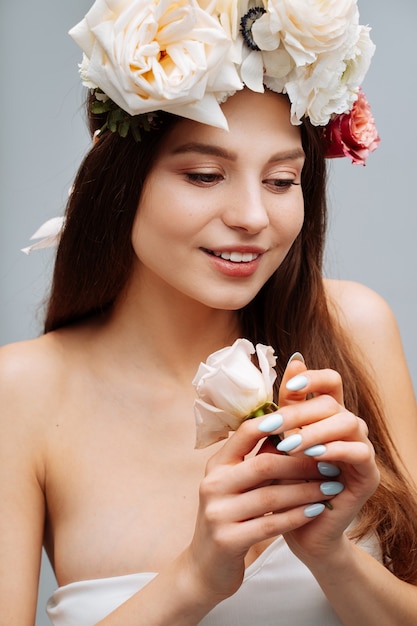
point(297, 356)
point(297, 383)
point(331, 488)
point(270, 423)
point(327, 469)
point(314, 509)
point(289, 443)
point(315, 450)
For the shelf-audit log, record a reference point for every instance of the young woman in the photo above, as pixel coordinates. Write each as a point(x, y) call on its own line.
point(186, 230)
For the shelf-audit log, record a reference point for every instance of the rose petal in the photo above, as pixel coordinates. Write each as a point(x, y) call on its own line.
point(212, 424)
point(205, 111)
point(49, 233)
point(267, 361)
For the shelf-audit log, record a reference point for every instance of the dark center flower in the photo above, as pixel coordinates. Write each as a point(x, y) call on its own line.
point(246, 24)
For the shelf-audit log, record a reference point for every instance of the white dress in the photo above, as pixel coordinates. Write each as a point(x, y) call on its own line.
point(278, 590)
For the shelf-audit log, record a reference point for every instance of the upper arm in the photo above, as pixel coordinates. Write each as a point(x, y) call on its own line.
point(370, 322)
point(21, 491)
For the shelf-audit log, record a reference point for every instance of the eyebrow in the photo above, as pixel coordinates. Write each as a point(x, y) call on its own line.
point(204, 148)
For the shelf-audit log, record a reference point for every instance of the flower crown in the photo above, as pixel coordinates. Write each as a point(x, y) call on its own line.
point(186, 57)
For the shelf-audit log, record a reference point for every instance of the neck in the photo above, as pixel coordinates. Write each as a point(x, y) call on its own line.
point(170, 334)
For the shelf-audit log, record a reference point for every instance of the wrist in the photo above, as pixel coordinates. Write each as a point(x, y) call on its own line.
point(195, 594)
point(335, 563)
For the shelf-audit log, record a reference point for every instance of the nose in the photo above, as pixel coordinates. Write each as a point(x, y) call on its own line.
point(245, 208)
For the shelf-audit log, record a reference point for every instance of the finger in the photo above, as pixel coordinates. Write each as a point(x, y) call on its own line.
point(313, 411)
point(359, 454)
point(295, 367)
point(270, 499)
point(241, 442)
point(343, 426)
point(311, 382)
point(246, 533)
point(272, 525)
point(270, 468)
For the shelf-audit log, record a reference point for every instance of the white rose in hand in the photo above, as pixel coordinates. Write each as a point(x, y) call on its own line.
point(231, 388)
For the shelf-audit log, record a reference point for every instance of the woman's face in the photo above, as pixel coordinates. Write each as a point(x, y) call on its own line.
point(220, 210)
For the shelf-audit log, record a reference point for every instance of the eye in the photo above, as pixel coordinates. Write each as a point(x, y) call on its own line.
point(280, 185)
point(203, 179)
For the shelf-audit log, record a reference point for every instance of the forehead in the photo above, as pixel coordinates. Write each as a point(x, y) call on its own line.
point(256, 121)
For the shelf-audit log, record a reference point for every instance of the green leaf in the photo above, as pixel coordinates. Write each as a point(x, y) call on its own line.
point(99, 107)
point(123, 128)
point(111, 125)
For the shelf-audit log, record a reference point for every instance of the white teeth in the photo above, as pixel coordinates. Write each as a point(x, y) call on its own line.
point(237, 257)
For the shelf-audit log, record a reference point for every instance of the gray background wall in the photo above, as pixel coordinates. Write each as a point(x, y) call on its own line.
point(43, 138)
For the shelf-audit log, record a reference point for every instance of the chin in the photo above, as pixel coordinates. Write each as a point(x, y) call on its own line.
point(230, 303)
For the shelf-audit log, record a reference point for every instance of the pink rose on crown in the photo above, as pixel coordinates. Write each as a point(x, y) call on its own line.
point(231, 388)
point(352, 134)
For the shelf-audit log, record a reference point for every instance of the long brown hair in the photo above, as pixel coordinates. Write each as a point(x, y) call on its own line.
point(290, 312)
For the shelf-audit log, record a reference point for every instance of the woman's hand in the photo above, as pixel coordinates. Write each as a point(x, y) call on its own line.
point(323, 429)
point(246, 498)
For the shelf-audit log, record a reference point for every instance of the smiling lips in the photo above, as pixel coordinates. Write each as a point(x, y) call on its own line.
point(235, 263)
point(235, 256)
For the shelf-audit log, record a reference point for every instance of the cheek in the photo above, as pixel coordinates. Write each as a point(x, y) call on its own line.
point(290, 222)
point(152, 220)
point(298, 221)
point(158, 234)
point(145, 232)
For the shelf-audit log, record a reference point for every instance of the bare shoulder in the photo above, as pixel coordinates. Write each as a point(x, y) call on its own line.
point(26, 363)
point(361, 311)
point(16, 357)
point(369, 321)
point(359, 308)
point(30, 372)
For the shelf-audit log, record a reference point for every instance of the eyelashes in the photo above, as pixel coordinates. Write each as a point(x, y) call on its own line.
point(208, 179)
point(280, 184)
point(203, 178)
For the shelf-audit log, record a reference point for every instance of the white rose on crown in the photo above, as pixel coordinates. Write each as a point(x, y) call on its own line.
point(150, 55)
point(187, 57)
point(329, 86)
point(307, 29)
point(316, 52)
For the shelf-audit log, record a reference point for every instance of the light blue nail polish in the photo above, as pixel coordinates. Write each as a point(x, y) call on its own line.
point(331, 488)
point(289, 443)
point(314, 509)
point(328, 469)
point(315, 450)
point(297, 383)
point(270, 423)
